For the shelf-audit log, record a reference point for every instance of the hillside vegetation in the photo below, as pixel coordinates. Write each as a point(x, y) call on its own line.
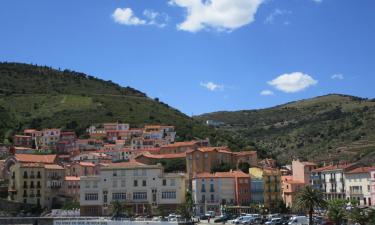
point(42, 97)
point(331, 127)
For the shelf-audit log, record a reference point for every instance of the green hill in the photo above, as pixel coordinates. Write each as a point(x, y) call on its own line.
point(42, 97)
point(329, 127)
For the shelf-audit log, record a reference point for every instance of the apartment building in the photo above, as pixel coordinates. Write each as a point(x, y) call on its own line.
point(205, 159)
point(358, 185)
point(291, 185)
point(330, 180)
point(372, 185)
point(271, 185)
point(141, 188)
point(211, 190)
point(36, 183)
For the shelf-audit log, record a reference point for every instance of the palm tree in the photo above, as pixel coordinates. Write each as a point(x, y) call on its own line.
point(117, 208)
point(336, 210)
point(308, 199)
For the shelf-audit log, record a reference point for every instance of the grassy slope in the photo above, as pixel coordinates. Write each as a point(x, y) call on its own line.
point(41, 97)
point(322, 128)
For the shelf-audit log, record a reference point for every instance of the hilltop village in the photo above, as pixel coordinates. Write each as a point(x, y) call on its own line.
point(147, 170)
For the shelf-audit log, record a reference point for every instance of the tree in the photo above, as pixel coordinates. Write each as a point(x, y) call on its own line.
point(362, 216)
point(117, 208)
point(186, 210)
point(308, 199)
point(336, 210)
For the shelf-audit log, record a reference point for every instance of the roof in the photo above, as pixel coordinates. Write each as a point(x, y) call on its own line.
point(333, 167)
point(34, 165)
point(72, 178)
point(163, 156)
point(29, 131)
point(89, 164)
point(222, 149)
point(49, 159)
point(130, 164)
point(180, 144)
point(231, 174)
point(53, 167)
point(361, 170)
point(244, 153)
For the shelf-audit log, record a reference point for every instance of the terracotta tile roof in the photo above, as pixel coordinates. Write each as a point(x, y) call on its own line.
point(53, 167)
point(361, 170)
point(230, 174)
point(88, 164)
point(333, 167)
point(163, 156)
point(50, 159)
point(72, 178)
point(244, 153)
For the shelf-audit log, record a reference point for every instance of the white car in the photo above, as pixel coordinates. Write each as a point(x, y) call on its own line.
point(273, 221)
point(247, 220)
point(237, 220)
point(299, 220)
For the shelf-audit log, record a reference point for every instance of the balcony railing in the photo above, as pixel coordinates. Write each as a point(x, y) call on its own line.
point(32, 176)
point(32, 186)
point(332, 180)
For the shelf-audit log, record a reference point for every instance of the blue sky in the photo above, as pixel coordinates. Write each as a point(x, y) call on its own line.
point(202, 56)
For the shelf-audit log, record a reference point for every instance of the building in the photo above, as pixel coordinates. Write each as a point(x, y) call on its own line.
point(149, 159)
point(78, 169)
point(292, 184)
point(372, 183)
point(271, 185)
point(142, 188)
point(207, 158)
point(36, 183)
point(330, 180)
point(358, 185)
point(23, 140)
point(71, 187)
point(212, 190)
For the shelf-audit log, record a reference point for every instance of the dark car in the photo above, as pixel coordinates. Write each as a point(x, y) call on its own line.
point(223, 218)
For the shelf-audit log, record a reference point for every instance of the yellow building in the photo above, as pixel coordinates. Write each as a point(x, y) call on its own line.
point(35, 183)
point(271, 185)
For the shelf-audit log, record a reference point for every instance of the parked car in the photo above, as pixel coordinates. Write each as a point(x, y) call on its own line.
point(237, 220)
point(273, 221)
point(203, 217)
point(247, 220)
point(299, 220)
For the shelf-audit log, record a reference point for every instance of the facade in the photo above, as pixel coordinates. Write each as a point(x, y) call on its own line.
point(142, 188)
point(71, 187)
point(330, 180)
point(36, 183)
point(292, 184)
point(205, 159)
point(372, 185)
point(211, 190)
point(358, 185)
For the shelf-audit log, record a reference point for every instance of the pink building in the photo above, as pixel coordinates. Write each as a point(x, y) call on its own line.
point(71, 187)
point(300, 177)
point(372, 183)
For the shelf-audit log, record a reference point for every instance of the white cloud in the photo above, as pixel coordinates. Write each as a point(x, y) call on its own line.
point(125, 16)
point(221, 15)
point(293, 82)
point(212, 86)
point(266, 93)
point(337, 76)
point(156, 18)
point(276, 13)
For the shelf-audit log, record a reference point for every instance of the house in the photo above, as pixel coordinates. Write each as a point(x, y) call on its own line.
point(71, 187)
point(358, 185)
point(271, 185)
point(211, 190)
point(292, 184)
point(35, 183)
point(330, 180)
point(142, 188)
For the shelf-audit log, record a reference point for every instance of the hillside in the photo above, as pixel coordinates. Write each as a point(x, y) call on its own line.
point(42, 97)
point(323, 128)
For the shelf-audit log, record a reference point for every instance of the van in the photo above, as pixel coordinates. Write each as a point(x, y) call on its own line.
point(298, 220)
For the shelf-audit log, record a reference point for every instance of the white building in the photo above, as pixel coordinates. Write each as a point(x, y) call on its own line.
point(142, 188)
point(358, 185)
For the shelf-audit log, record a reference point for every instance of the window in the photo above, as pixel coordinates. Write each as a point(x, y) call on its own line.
point(139, 195)
point(173, 182)
point(144, 183)
point(91, 197)
point(164, 182)
point(115, 173)
point(212, 189)
point(168, 195)
point(118, 196)
point(135, 183)
point(203, 189)
point(123, 183)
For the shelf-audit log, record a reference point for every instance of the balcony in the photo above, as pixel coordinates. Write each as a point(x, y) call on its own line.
point(32, 176)
point(32, 186)
point(356, 192)
point(24, 186)
point(32, 195)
